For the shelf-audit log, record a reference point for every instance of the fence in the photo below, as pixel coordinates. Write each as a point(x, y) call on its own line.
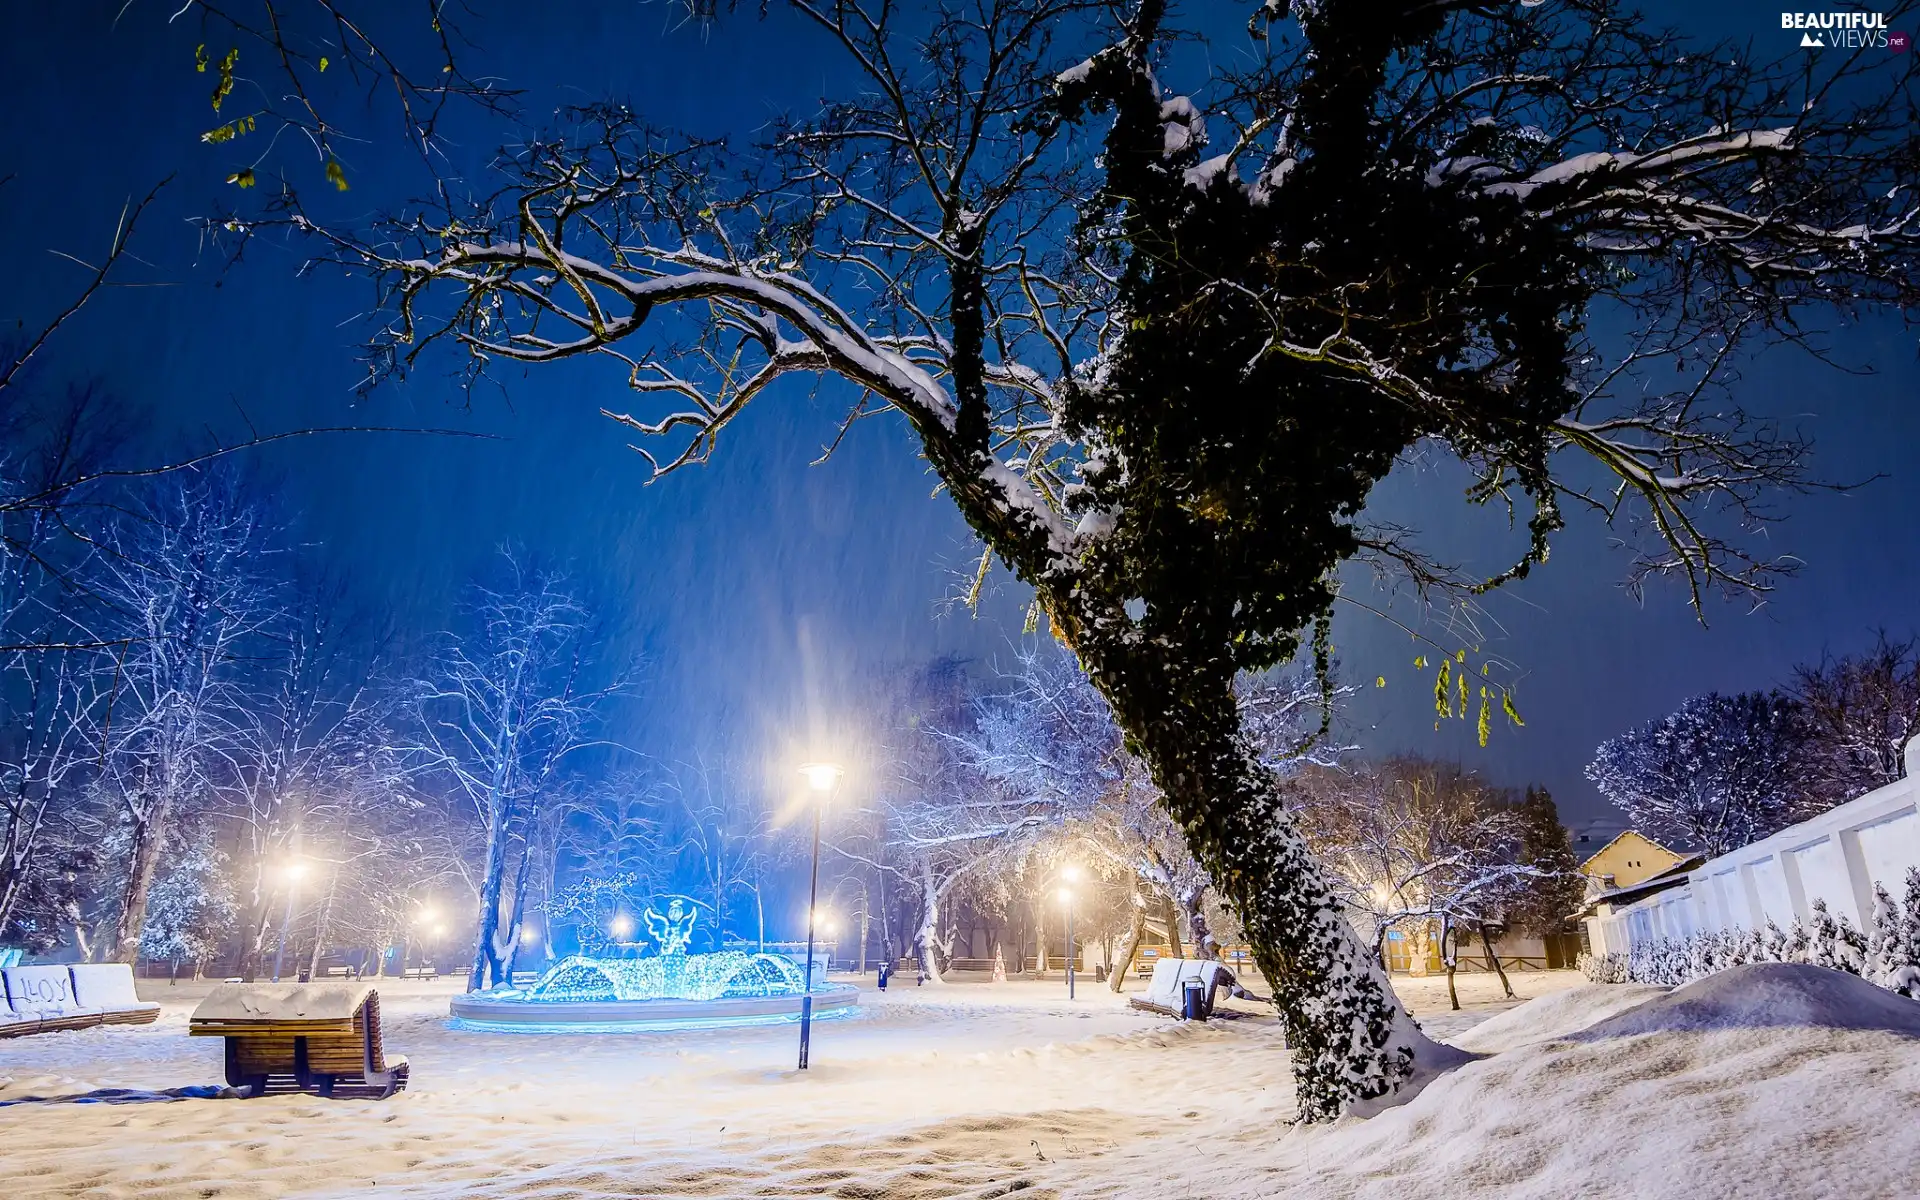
point(1837, 857)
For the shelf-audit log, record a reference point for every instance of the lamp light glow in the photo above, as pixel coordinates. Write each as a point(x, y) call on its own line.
point(821, 776)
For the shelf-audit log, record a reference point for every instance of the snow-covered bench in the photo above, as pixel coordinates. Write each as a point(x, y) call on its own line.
point(14, 1023)
point(47, 993)
point(45, 999)
point(1166, 992)
point(109, 988)
point(323, 1038)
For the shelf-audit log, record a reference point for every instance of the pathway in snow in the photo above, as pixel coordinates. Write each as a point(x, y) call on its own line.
point(980, 1090)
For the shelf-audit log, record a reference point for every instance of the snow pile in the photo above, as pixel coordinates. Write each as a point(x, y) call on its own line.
point(1767, 996)
point(1554, 1015)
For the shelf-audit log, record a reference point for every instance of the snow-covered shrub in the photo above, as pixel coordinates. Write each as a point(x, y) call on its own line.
point(1893, 947)
point(1888, 956)
point(1604, 968)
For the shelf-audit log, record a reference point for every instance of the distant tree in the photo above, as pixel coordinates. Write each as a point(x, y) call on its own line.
point(505, 703)
point(1541, 906)
point(191, 910)
point(1715, 774)
point(1417, 845)
point(186, 583)
point(1861, 711)
point(722, 832)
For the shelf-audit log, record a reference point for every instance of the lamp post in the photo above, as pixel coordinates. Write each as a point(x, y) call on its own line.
point(820, 776)
point(1071, 875)
point(291, 873)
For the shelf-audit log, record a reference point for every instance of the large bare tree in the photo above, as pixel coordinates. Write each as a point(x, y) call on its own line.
point(504, 705)
point(1160, 325)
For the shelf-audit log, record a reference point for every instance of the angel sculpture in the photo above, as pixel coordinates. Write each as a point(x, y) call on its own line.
point(673, 931)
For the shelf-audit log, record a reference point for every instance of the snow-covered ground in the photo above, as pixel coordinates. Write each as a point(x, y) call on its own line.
point(982, 1090)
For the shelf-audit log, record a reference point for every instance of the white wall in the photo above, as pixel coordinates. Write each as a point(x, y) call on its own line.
point(1837, 856)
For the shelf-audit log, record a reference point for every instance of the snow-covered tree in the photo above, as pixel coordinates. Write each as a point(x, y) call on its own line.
point(191, 910)
point(504, 704)
point(185, 581)
point(1861, 711)
point(1418, 845)
point(1893, 942)
point(1715, 774)
point(726, 836)
point(1161, 322)
point(1544, 903)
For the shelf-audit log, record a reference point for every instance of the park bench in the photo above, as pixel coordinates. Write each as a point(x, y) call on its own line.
point(51, 998)
point(1166, 994)
point(321, 1038)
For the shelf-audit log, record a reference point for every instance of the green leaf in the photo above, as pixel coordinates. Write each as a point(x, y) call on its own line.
point(242, 178)
point(336, 176)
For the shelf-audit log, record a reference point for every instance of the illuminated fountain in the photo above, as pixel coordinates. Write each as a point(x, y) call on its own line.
point(668, 990)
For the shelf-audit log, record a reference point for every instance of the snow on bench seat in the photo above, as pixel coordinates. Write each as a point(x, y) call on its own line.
point(109, 987)
point(47, 993)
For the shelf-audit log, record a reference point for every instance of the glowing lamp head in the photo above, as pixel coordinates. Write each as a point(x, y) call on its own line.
point(1070, 873)
point(428, 915)
point(1066, 895)
point(621, 926)
point(821, 776)
point(293, 871)
point(439, 930)
point(528, 937)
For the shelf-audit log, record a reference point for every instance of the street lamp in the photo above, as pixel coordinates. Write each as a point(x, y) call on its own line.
point(1066, 898)
point(290, 873)
point(820, 777)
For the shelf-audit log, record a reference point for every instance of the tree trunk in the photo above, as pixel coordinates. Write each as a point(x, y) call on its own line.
point(1172, 917)
point(511, 952)
point(866, 915)
point(143, 861)
point(486, 964)
point(927, 940)
point(1494, 959)
point(1123, 965)
point(322, 927)
point(1350, 1037)
point(1039, 942)
point(1450, 957)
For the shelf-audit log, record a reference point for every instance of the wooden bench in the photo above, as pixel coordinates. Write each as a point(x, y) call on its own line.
point(323, 1038)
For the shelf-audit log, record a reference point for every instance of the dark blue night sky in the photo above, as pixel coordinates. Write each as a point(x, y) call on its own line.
point(760, 587)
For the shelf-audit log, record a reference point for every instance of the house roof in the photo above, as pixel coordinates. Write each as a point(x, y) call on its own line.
point(1672, 877)
point(1621, 836)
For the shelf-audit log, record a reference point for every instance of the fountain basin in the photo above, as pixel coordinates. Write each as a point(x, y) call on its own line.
point(586, 994)
point(490, 1013)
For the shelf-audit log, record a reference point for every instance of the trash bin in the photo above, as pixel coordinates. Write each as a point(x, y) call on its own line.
point(1192, 997)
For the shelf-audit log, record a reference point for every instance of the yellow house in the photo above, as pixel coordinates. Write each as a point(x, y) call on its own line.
point(1631, 858)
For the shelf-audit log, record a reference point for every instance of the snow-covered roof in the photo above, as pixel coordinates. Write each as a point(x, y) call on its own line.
point(283, 1002)
point(1672, 877)
point(1621, 836)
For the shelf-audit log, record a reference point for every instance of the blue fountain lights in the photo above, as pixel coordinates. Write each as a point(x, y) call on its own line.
point(591, 993)
point(726, 975)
